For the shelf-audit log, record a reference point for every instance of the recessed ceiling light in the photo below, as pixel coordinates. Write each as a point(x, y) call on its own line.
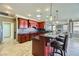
point(47, 9)
point(29, 15)
point(38, 10)
point(38, 16)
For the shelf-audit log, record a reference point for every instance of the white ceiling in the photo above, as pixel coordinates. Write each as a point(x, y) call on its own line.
point(66, 11)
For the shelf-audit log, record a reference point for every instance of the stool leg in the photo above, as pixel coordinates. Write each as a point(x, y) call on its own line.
point(61, 52)
point(64, 53)
point(53, 51)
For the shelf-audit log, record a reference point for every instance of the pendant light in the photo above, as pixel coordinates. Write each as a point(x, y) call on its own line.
point(51, 12)
point(57, 17)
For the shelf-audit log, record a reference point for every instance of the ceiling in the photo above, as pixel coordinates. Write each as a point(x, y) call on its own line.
point(65, 10)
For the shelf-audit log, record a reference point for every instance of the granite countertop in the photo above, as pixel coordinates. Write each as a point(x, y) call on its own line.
point(32, 30)
point(26, 31)
point(51, 35)
point(45, 31)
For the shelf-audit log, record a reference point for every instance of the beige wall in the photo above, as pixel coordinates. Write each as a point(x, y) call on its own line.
point(6, 19)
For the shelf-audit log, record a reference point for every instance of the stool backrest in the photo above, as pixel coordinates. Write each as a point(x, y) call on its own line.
point(65, 42)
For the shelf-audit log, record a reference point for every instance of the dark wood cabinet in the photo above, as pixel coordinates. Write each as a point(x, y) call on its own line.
point(38, 45)
point(37, 24)
point(23, 23)
point(23, 38)
point(27, 23)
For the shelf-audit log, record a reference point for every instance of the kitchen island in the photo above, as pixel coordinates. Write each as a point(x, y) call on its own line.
point(39, 44)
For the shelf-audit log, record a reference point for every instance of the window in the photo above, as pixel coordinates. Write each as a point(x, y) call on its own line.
point(65, 27)
point(76, 27)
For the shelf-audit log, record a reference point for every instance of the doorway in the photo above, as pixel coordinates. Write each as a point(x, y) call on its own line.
point(8, 31)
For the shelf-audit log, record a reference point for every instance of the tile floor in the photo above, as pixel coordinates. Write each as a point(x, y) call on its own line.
point(13, 48)
point(73, 46)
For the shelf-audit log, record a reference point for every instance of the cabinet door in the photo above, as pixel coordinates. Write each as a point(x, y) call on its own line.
point(23, 38)
point(41, 25)
point(23, 23)
point(33, 23)
point(19, 38)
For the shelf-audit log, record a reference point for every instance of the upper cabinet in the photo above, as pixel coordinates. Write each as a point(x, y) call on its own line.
point(22, 23)
point(37, 24)
point(25, 23)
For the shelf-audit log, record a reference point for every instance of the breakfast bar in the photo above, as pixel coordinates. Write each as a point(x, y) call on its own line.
point(39, 44)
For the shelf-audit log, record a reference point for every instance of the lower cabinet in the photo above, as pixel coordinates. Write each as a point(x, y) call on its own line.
point(23, 38)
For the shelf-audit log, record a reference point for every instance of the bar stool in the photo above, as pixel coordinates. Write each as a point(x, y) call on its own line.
point(65, 43)
point(56, 46)
point(61, 47)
